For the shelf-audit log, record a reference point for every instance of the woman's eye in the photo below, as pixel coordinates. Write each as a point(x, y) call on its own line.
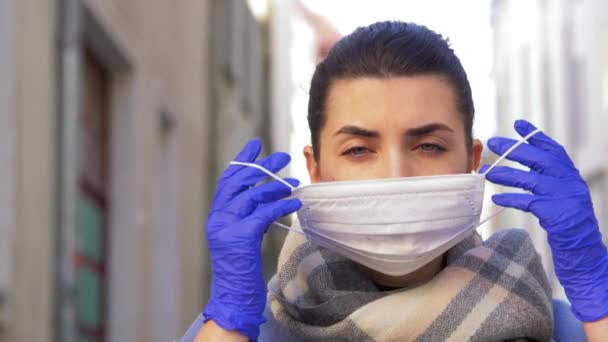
point(356, 151)
point(431, 148)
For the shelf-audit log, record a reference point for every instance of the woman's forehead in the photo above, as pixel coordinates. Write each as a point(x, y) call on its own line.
point(392, 103)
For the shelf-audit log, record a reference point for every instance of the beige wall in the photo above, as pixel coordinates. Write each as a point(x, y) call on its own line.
point(32, 113)
point(159, 184)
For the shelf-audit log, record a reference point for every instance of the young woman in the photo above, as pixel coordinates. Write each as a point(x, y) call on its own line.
point(392, 101)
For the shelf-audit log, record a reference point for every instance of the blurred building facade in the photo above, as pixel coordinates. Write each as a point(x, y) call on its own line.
point(241, 90)
point(116, 117)
point(551, 67)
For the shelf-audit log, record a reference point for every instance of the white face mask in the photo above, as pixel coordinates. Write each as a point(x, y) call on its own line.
point(393, 225)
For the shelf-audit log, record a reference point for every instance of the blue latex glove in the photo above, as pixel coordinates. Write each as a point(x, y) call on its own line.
point(240, 215)
point(560, 199)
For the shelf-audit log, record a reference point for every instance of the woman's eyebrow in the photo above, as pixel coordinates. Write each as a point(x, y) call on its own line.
point(428, 128)
point(359, 131)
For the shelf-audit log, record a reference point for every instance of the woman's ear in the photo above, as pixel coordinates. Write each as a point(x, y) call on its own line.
point(311, 164)
point(475, 159)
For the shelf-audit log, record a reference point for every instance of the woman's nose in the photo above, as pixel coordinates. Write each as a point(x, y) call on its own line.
point(396, 166)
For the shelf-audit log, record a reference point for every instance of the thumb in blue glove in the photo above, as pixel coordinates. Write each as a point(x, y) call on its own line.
point(559, 198)
point(240, 214)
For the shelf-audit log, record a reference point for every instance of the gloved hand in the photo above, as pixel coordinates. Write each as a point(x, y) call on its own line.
point(560, 199)
point(240, 215)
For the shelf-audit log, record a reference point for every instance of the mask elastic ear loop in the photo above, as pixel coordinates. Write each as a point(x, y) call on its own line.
point(269, 173)
point(491, 216)
point(511, 149)
point(501, 158)
point(266, 171)
point(295, 230)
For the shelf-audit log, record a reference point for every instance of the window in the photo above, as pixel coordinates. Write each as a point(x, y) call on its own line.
point(92, 201)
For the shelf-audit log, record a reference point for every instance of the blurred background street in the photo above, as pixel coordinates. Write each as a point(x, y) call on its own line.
point(117, 117)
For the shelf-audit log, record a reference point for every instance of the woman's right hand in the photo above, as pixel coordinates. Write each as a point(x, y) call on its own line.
point(240, 214)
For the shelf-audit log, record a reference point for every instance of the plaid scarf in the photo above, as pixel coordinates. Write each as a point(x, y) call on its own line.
point(495, 290)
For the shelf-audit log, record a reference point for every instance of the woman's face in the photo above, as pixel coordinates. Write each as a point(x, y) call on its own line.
point(391, 127)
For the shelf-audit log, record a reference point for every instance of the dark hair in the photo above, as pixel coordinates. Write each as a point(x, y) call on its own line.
point(388, 49)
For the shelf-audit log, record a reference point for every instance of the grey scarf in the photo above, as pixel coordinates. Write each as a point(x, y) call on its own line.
point(495, 290)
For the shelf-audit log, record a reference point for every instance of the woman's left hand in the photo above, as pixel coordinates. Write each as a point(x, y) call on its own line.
point(559, 198)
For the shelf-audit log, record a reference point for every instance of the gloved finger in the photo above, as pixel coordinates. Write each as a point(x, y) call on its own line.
point(533, 157)
point(271, 212)
point(529, 181)
point(484, 168)
point(247, 201)
point(516, 201)
point(542, 141)
point(247, 177)
point(248, 154)
point(272, 191)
